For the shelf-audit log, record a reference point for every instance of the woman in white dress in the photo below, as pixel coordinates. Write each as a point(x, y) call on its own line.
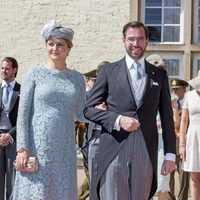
point(189, 147)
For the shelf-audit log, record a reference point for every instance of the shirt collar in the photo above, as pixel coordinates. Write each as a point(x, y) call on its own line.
point(130, 62)
point(12, 84)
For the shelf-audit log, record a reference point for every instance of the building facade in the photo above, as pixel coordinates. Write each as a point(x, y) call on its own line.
point(174, 31)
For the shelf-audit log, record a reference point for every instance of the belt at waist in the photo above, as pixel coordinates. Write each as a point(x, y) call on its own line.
point(96, 129)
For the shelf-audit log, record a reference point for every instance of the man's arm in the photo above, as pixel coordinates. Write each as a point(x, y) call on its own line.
point(97, 96)
point(166, 116)
point(168, 131)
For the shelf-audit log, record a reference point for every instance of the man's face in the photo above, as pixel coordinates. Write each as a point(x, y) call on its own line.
point(135, 42)
point(7, 71)
point(179, 92)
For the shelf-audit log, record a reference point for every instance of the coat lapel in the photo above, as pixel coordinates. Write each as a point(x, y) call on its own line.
point(1, 93)
point(149, 73)
point(14, 97)
point(121, 74)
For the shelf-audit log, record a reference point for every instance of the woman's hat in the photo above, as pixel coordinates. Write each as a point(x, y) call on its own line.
point(53, 29)
point(195, 82)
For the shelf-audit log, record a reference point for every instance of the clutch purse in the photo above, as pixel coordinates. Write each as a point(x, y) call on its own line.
point(32, 166)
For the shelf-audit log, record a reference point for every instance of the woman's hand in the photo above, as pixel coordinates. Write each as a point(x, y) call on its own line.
point(182, 151)
point(22, 158)
point(101, 106)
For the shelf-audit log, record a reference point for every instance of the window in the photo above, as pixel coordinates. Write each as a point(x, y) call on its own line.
point(196, 20)
point(164, 20)
point(172, 67)
point(173, 64)
point(196, 65)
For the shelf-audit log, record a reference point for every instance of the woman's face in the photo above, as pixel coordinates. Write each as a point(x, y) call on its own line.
point(57, 49)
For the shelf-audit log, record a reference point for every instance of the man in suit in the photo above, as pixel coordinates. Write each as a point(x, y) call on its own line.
point(134, 91)
point(9, 93)
point(179, 88)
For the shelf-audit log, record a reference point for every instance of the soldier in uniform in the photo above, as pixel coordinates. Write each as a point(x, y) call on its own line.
point(81, 128)
point(92, 133)
point(83, 191)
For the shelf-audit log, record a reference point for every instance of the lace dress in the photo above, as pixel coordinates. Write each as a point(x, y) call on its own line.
point(51, 101)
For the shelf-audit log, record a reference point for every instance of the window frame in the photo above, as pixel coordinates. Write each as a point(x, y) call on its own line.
point(196, 24)
point(196, 57)
point(170, 56)
point(181, 25)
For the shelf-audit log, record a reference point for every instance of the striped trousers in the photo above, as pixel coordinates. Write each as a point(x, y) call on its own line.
point(129, 175)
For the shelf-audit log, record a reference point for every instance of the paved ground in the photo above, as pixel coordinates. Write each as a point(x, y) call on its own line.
point(81, 175)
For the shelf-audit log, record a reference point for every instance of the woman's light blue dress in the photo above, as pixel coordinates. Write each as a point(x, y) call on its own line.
point(50, 102)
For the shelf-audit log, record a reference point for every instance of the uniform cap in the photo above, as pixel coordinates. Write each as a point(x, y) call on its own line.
point(91, 74)
point(176, 83)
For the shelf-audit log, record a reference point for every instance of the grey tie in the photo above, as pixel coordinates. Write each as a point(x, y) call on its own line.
point(5, 97)
point(135, 74)
point(138, 75)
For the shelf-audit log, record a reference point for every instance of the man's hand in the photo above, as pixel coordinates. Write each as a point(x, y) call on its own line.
point(4, 139)
point(129, 124)
point(168, 167)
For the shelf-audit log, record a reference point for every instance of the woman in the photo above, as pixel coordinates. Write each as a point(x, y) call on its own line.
point(189, 147)
point(52, 99)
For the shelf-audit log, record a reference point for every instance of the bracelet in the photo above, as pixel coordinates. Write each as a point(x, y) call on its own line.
point(21, 150)
point(182, 145)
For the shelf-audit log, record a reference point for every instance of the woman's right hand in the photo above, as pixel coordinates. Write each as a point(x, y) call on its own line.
point(101, 106)
point(22, 158)
point(182, 151)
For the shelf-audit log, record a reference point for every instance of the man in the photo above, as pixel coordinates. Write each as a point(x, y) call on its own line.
point(134, 91)
point(91, 143)
point(80, 127)
point(9, 94)
point(179, 88)
point(83, 191)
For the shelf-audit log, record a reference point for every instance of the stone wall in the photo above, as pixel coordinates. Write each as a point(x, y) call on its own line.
point(97, 25)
